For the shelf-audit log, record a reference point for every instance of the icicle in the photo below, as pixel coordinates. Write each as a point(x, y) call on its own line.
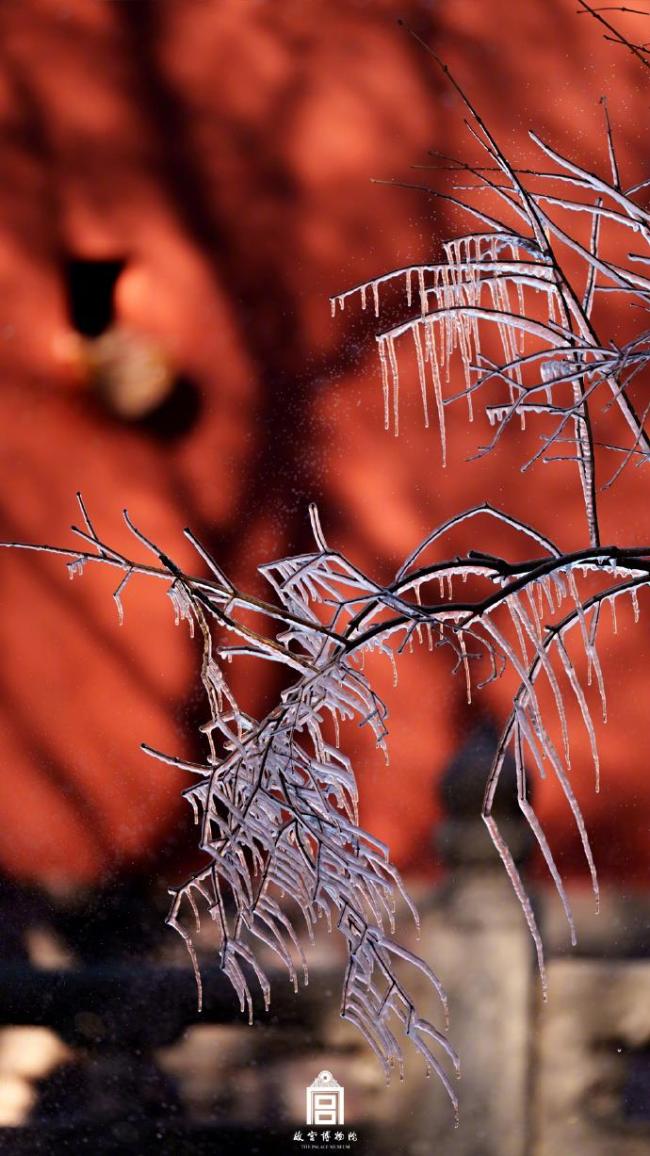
point(76, 568)
point(421, 373)
point(342, 303)
point(384, 381)
point(117, 596)
point(560, 588)
point(522, 312)
point(422, 291)
point(593, 663)
point(430, 335)
point(418, 599)
point(409, 289)
point(520, 892)
point(316, 527)
point(364, 289)
point(534, 824)
point(635, 604)
point(543, 658)
point(545, 583)
point(516, 615)
point(182, 605)
point(395, 375)
point(584, 709)
point(333, 306)
point(375, 297)
point(449, 342)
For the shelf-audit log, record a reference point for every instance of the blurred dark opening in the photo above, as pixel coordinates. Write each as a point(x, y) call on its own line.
point(90, 288)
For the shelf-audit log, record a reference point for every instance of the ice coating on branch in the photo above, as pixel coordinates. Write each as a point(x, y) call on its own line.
point(553, 361)
point(275, 798)
point(76, 568)
point(182, 603)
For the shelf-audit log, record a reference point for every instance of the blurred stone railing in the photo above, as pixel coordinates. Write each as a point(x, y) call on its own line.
point(146, 1073)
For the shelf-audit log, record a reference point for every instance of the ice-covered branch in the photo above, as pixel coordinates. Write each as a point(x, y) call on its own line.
point(276, 798)
point(506, 307)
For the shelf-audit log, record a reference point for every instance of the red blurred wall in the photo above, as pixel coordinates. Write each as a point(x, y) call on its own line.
point(224, 149)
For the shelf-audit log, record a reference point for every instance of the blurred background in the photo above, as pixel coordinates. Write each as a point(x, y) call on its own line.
point(184, 184)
